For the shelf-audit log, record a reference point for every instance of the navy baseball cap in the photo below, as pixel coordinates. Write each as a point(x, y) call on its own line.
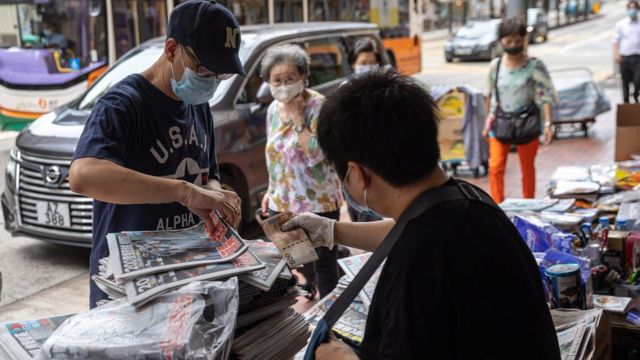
point(212, 31)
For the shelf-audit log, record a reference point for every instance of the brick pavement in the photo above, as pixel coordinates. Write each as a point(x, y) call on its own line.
point(598, 148)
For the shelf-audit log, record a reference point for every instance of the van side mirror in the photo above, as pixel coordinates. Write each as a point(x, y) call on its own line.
point(264, 96)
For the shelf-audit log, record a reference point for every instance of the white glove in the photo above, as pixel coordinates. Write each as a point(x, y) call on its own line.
point(318, 228)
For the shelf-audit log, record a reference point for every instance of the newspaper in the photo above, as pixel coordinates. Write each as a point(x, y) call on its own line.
point(576, 331)
point(143, 289)
point(570, 341)
point(294, 245)
point(511, 204)
point(280, 336)
point(352, 265)
point(23, 339)
point(273, 261)
point(194, 322)
point(350, 326)
point(139, 253)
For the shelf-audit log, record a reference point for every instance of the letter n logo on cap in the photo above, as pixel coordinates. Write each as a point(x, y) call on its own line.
point(231, 37)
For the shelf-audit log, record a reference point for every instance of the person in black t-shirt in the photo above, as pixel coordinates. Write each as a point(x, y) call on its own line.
point(146, 154)
point(459, 283)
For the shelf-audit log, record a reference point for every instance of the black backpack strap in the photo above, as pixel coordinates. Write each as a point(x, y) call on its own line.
point(425, 201)
point(495, 81)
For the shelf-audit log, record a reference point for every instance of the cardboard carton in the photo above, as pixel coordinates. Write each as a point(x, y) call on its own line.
point(627, 131)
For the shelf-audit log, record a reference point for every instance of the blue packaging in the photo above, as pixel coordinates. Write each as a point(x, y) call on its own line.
point(536, 234)
point(565, 283)
point(554, 257)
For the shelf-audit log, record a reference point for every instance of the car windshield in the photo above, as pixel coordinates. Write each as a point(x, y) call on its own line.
point(476, 30)
point(136, 62)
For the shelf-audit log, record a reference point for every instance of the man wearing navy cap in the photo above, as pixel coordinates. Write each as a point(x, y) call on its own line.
point(147, 151)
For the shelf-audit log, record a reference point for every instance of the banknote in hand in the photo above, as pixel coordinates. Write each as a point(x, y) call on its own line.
point(294, 245)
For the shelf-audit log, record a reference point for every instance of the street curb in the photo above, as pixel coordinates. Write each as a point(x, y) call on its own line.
point(7, 140)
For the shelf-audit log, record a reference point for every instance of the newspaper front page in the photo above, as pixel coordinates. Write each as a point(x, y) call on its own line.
point(138, 253)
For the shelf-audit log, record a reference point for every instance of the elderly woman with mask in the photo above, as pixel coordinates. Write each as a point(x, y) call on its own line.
point(300, 178)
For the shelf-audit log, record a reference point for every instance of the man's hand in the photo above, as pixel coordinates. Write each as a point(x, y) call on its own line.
point(202, 201)
point(335, 350)
point(618, 58)
point(318, 228)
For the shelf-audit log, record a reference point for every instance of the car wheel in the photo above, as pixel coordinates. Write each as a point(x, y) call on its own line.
point(448, 58)
point(533, 38)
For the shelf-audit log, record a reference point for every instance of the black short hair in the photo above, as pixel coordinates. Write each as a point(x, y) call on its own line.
point(384, 121)
point(365, 45)
point(633, 2)
point(511, 27)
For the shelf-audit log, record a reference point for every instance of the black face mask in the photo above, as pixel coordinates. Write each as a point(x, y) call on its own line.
point(514, 50)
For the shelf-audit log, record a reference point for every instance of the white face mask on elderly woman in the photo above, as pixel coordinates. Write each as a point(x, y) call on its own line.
point(286, 93)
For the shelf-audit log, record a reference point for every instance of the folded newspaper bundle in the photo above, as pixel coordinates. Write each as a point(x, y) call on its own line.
point(145, 264)
point(351, 325)
point(23, 339)
point(576, 330)
point(280, 336)
point(351, 266)
point(262, 306)
point(194, 322)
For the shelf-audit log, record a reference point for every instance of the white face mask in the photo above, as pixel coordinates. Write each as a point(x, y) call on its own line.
point(360, 69)
point(286, 93)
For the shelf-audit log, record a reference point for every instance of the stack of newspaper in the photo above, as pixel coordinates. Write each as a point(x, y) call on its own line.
point(280, 336)
point(576, 330)
point(351, 325)
point(145, 264)
point(23, 339)
point(266, 298)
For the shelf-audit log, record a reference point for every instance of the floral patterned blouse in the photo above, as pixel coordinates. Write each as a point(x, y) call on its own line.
point(299, 181)
point(519, 87)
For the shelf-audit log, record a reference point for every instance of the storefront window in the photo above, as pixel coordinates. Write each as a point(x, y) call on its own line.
point(137, 21)
point(74, 27)
point(339, 10)
point(288, 11)
point(249, 12)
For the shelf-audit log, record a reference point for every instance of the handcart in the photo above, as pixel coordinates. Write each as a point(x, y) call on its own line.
point(462, 148)
point(579, 100)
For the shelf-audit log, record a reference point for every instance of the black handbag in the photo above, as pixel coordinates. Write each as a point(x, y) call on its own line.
point(515, 127)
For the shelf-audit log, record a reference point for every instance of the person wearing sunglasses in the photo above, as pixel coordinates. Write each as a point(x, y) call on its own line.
point(147, 155)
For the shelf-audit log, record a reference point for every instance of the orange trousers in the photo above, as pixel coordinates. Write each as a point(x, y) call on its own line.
point(498, 153)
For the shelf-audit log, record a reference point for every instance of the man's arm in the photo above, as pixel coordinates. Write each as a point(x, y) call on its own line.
point(107, 181)
point(328, 232)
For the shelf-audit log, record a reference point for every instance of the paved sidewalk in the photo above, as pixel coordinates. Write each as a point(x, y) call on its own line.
point(598, 148)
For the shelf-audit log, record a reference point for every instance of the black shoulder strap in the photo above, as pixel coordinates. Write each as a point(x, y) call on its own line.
point(428, 199)
point(495, 81)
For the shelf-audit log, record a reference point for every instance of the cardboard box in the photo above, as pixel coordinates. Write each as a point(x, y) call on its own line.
point(627, 131)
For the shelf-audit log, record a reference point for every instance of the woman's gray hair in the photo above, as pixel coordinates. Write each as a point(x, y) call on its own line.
point(285, 54)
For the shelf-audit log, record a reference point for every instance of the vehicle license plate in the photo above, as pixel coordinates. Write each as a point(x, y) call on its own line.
point(53, 213)
point(463, 51)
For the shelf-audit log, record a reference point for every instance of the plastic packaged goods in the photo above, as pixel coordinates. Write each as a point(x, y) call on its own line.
point(194, 322)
